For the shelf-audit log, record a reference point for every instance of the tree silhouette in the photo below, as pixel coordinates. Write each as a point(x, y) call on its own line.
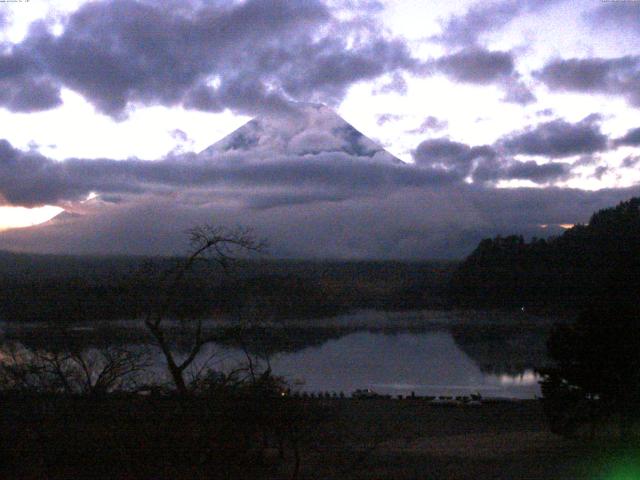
point(70, 368)
point(597, 371)
point(214, 243)
point(564, 271)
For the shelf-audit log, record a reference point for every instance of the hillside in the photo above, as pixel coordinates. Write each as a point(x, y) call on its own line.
point(561, 271)
point(81, 288)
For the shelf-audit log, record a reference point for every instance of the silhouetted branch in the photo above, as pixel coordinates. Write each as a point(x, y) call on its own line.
point(215, 243)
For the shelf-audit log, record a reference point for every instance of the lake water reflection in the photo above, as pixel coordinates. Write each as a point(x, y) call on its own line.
point(428, 353)
point(426, 363)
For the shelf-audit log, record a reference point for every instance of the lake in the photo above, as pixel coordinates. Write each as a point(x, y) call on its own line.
point(398, 363)
point(396, 354)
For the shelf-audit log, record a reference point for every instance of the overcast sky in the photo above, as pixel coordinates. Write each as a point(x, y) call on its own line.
point(499, 117)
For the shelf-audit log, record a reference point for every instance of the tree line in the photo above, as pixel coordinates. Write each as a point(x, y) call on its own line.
point(593, 272)
point(563, 271)
point(35, 288)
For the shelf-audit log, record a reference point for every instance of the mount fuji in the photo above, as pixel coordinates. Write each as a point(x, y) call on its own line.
point(307, 130)
point(306, 180)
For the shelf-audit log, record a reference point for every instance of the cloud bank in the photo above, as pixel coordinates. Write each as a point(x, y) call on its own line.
point(313, 185)
point(250, 56)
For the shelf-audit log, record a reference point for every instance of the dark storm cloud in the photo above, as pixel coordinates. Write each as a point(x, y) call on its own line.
point(29, 95)
point(452, 157)
point(479, 66)
point(397, 84)
point(483, 164)
point(31, 179)
point(476, 65)
point(631, 161)
point(344, 198)
point(488, 164)
point(248, 56)
point(610, 76)
point(516, 91)
point(558, 138)
point(121, 51)
point(430, 124)
point(586, 74)
point(275, 157)
point(481, 18)
point(587, 161)
point(251, 56)
point(387, 117)
point(543, 173)
point(28, 178)
point(329, 67)
point(631, 138)
point(600, 171)
point(246, 95)
point(23, 86)
point(179, 135)
point(615, 15)
point(14, 65)
point(288, 199)
point(410, 223)
point(490, 171)
point(369, 6)
point(485, 17)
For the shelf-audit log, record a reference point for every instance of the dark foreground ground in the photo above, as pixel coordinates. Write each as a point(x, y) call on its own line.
point(160, 437)
point(492, 441)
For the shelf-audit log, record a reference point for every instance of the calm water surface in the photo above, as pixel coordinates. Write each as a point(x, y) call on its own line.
point(426, 363)
point(427, 353)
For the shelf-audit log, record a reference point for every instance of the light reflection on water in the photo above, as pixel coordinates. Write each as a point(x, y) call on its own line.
point(426, 363)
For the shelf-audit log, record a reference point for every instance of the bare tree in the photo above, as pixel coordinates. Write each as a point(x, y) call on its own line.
point(94, 371)
point(218, 244)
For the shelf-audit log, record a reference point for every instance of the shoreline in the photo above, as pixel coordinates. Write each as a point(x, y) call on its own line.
point(362, 318)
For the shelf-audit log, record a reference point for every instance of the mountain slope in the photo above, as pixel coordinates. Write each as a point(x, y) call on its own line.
point(307, 131)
